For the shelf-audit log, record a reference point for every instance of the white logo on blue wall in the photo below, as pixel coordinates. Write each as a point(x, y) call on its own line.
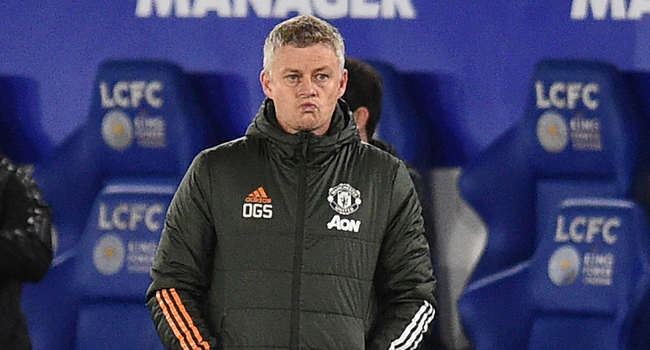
point(117, 130)
point(108, 255)
point(609, 9)
point(344, 199)
point(564, 266)
point(552, 132)
point(328, 9)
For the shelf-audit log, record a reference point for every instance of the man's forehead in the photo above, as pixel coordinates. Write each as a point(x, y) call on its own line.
point(313, 57)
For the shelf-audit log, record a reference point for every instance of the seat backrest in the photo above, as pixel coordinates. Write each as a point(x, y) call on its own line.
point(586, 287)
point(117, 248)
point(143, 120)
point(590, 275)
point(226, 101)
point(400, 124)
point(578, 133)
point(22, 137)
point(115, 255)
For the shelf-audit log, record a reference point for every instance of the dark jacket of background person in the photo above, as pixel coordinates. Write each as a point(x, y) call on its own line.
point(298, 273)
point(25, 248)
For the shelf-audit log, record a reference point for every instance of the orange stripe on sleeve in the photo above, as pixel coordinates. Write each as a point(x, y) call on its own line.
point(179, 302)
point(170, 321)
point(182, 324)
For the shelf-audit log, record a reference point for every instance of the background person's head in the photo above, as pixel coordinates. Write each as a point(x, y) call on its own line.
point(364, 94)
point(303, 73)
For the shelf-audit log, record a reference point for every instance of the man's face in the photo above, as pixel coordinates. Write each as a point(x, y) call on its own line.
point(304, 84)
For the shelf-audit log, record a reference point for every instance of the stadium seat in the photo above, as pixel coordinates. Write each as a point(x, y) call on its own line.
point(560, 148)
point(116, 252)
point(21, 135)
point(578, 138)
point(587, 287)
point(144, 126)
point(400, 124)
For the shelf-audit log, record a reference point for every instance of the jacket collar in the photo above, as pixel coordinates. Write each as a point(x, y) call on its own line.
point(342, 130)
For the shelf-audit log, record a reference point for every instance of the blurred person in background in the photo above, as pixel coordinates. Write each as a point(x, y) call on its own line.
point(364, 95)
point(25, 248)
point(274, 241)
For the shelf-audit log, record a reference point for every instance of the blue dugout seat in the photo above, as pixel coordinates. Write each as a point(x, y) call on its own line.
point(579, 138)
point(143, 129)
point(21, 134)
point(586, 287)
point(115, 255)
point(579, 134)
point(401, 124)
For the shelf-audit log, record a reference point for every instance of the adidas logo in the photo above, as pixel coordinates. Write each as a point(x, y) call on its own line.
point(257, 205)
point(258, 196)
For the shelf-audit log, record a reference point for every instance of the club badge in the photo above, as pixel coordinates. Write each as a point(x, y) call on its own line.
point(344, 199)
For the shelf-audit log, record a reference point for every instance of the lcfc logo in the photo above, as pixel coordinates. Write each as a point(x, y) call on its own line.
point(108, 255)
point(117, 130)
point(564, 265)
point(552, 132)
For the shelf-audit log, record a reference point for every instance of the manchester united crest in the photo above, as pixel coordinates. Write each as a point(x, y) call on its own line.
point(344, 199)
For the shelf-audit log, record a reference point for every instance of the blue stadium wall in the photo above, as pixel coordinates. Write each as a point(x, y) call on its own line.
point(487, 49)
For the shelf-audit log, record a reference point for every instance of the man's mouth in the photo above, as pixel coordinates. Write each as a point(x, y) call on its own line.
point(308, 107)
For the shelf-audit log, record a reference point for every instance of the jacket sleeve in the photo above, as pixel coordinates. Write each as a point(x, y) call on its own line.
point(404, 279)
point(25, 226)
point(181, 271)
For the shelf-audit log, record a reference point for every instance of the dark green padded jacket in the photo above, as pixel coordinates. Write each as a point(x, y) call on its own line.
point(290, 241)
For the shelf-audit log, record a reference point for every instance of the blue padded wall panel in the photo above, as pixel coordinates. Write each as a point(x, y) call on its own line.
point(398, 124)
point(22, 137)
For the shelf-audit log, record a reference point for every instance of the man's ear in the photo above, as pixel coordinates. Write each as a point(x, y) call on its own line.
point(265, 80)
point(361, 116)
point(344, 83)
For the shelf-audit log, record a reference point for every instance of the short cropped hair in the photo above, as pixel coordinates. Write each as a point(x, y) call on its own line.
point(365, 89)
point(303, 31)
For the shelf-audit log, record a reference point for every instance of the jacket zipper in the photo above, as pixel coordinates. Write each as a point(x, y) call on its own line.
point(298, 244)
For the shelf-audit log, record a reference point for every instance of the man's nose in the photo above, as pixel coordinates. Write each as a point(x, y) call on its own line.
point(306, 88)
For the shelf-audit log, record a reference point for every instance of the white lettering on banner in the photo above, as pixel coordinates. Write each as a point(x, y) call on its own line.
point(599, 8)
point(566, 95)
point(344, 224)
point(127, 217)
point(584, 229)
point(257, 210)
point(328, 9)
point(130, 94)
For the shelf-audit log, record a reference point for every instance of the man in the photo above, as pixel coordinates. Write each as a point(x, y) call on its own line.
point(364, 95)
point(274, 240)
point(25, 248)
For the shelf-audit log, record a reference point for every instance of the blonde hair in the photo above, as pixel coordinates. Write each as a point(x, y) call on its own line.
point(303, 31)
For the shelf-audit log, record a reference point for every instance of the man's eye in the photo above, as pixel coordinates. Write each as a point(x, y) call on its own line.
point(292, 77)
point(322, 77)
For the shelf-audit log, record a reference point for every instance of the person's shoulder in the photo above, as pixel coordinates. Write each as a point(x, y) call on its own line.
point(233, 150)
point(384, 146)
point(379, 155)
